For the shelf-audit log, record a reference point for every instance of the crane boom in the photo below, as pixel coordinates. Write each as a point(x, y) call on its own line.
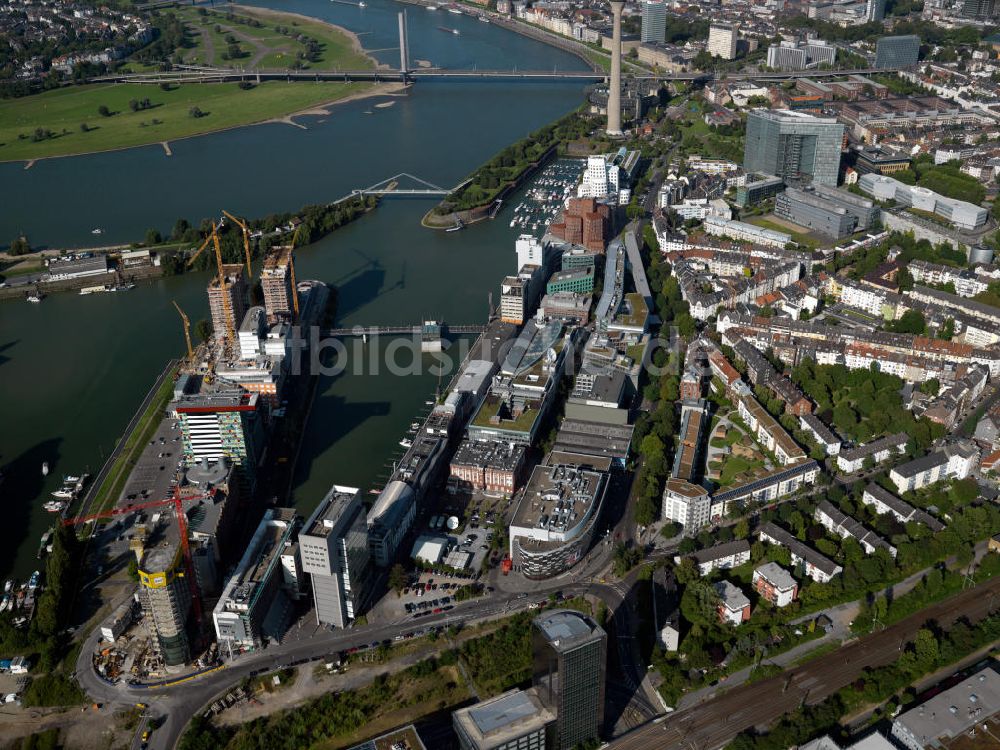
point(187, 331)
point(246, 241)
point(200, 250)
point(226, 305)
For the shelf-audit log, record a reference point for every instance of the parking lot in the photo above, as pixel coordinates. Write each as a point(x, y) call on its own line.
point(157, 466)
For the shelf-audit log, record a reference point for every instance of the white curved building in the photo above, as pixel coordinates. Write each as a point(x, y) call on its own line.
point(962, 214)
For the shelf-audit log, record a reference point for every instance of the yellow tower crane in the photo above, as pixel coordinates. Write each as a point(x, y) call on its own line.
point(187, 331)
point(223, 287)
point(246, 241)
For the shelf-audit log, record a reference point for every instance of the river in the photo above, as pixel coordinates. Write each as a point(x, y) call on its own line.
point(74, 369)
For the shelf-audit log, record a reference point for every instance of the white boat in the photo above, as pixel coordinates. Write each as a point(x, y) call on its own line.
point(456, 32)
point(55, 506)
point(97, 231)
point(64, 493)
point(484, 19)
point(34, 297)
point(414, 425)
point(45, 468)
point(5, 604)
point(432, 7)
point(456, 11)
point(362, 5)
point(406, 443)
point(8, 585)
point(71, 479)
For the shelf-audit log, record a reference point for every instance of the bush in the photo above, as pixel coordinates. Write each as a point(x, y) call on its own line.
point(53, 690)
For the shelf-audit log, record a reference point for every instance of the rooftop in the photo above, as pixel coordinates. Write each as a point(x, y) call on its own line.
point(505, 717)
point(557, 502)
point(328, 513)
point(567, 628)
point(953, 711)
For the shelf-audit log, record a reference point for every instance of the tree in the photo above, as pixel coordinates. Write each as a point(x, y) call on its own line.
point(203, 329)
point(19, 246)
point(153, 237)
point(103, 111)
point(397, 578)
point(196, 112)
point(742, 529)
point(84, 127)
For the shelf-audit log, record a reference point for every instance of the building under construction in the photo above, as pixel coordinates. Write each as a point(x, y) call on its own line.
point(277, 280)
point(235, 292)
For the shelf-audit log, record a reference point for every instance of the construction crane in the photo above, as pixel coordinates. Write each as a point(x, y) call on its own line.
point(187, 331)
point(177, 500)
point(246, 241)
point(226, 306)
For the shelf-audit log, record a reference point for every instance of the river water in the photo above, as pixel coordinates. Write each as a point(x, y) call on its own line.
point(74, 369)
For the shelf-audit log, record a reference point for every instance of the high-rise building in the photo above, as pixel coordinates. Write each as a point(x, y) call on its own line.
point(276, 283)
point(654, 21)
point(897, 51)
point(979, 9)
point(164, 592)
point(722, 39)
point(235, 292)
point(875, 10)
point(796, 56)
point(569, 651)
point(253, 605)
point(221, 424)
point(793, 146)
point(334, 548)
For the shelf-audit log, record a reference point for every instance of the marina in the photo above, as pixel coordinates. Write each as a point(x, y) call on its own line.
point(546, 196)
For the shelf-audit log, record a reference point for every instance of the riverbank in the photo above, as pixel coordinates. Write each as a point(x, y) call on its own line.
point(97, 118)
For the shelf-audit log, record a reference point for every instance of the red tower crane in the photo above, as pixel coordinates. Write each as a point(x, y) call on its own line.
point(177, 500)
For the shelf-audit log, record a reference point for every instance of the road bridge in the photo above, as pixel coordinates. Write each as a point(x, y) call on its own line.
point(190, 74)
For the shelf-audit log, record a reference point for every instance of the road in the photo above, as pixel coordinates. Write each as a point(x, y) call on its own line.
point(715, 722)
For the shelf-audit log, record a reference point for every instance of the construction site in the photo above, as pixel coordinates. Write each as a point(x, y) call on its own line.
point(195, 494)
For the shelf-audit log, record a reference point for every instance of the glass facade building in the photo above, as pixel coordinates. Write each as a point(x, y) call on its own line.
point(569, 652)
point(897, 51)
point(794, 146)
point(654, 21)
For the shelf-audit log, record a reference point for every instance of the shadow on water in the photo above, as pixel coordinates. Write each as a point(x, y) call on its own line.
point(349, 416)
point(360, 290)
point(4, 347)
point(22, 477)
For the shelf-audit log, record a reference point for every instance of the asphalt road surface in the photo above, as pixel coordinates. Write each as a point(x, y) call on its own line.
point(715, 722)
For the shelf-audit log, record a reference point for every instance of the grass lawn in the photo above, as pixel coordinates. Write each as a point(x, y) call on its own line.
point(225, 105)
point(279, 50)
point(801, 238)
point(734, 466)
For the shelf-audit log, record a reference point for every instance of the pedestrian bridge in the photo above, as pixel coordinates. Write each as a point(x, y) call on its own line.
point(403, 330)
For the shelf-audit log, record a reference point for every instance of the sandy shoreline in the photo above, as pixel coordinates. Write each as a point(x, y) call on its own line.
point(318, 109)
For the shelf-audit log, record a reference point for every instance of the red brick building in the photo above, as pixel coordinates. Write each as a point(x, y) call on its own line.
point(584, 222)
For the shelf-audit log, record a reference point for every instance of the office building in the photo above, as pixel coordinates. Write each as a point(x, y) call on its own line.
point(758, 188)
point(827, 211)
point(78, 266)
point(333, 545)
point(569, 652)
point(800, 56)
point(577, 280)
point(224, 423)
point(492, 466)
point(722, 39)
point(233, 295)
point(276, 281)
point(514, 299)
point(253, 605)
point(654, 21)
point(875, 10)
point(961, 214)
point(555, 519)
point(941, 720)
point(897, 51)
point(794, 146)
point(515, 720)
point(980, 10)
